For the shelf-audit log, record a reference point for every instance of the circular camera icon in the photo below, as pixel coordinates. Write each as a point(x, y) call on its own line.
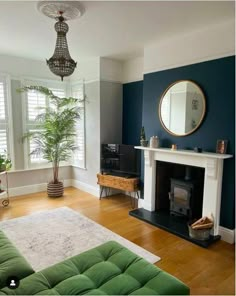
point(13, 282)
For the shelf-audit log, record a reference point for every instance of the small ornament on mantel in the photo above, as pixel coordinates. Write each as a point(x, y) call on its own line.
point(143, 141)
point(154, 142)
point(173, 147)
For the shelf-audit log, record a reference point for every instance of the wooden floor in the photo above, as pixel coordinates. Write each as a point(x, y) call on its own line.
point(205, 271)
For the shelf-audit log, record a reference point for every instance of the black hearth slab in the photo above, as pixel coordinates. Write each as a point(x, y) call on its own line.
point(174, 224)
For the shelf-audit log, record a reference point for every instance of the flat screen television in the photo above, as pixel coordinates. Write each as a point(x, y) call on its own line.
point(120, 160)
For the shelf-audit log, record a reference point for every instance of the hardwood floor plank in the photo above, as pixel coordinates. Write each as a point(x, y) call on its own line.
point(206, 271)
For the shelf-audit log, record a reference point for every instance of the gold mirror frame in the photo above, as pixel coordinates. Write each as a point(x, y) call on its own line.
point(203, 109)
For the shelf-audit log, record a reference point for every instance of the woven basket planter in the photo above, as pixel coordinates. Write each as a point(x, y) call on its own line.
point(55, 190)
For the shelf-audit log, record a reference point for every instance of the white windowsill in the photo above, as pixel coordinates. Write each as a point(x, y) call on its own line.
point(45, 168)
point(36, 169)
point(78, 167)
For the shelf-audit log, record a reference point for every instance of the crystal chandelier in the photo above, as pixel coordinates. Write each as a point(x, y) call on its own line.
point(61, 63)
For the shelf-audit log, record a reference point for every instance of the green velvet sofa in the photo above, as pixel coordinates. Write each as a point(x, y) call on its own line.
point(109, 269)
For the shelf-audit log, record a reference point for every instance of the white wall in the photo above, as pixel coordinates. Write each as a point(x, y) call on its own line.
point(103, 121)
point(20, 67)
point(86, 178)
point(111, 70)
point(214, 42)
point(31, 181)
point(132, 70)
point(87, 70)
point(36, 176)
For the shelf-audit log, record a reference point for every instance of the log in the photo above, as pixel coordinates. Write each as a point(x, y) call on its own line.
point(199, 221)
point(202, 226)
point(202, 223)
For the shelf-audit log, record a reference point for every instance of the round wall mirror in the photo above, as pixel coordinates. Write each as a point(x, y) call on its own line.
point(182, 108)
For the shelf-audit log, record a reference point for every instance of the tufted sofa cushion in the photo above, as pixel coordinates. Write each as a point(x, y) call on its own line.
point(109, 269)
point(11, 261)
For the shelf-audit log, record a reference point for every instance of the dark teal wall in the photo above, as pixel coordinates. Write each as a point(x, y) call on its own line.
point(132, 112)
point(217, 80)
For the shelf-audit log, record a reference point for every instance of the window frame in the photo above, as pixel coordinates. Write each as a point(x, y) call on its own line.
point(8, 122)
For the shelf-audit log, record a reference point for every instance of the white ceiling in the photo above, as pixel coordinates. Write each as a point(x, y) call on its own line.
point(115, 29)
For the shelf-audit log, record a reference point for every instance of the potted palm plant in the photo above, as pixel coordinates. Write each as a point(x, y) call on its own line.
point(55, 136)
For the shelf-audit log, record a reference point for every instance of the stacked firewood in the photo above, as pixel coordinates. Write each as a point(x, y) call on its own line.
point(203, 223)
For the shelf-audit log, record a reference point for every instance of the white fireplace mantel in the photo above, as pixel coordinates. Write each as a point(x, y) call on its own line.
point(213, 164)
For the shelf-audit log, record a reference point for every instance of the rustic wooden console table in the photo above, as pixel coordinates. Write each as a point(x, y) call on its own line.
point(130, 185)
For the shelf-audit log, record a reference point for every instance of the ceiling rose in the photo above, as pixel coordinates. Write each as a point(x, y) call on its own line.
point(71, 9)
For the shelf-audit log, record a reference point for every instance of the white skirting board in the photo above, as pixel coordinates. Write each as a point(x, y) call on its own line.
point(22, 190)
point(86, 187)
point(227, 235)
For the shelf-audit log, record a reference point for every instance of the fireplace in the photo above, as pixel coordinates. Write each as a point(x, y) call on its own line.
point(179, 188)
point(154, 210)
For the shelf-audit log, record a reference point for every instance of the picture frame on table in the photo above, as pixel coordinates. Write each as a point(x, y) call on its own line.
point(221, 146)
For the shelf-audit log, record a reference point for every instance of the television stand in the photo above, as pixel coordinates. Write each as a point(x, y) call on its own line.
point(130, 185)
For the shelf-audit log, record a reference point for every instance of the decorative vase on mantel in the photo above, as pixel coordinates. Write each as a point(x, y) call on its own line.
point(154, 142)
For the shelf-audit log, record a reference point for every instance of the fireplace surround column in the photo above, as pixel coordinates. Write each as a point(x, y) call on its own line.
point(150, 179)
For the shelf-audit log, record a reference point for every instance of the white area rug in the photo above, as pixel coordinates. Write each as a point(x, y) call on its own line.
point(47, 237)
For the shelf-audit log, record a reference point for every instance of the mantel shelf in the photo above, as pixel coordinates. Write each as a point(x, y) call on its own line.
point(186, 152)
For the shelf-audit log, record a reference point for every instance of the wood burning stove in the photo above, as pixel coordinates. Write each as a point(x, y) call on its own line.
point(180, 197)
point(185, 198)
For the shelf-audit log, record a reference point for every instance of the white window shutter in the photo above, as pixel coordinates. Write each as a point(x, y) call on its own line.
point(58, 92)
point(3, 141)
point(34, 101)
